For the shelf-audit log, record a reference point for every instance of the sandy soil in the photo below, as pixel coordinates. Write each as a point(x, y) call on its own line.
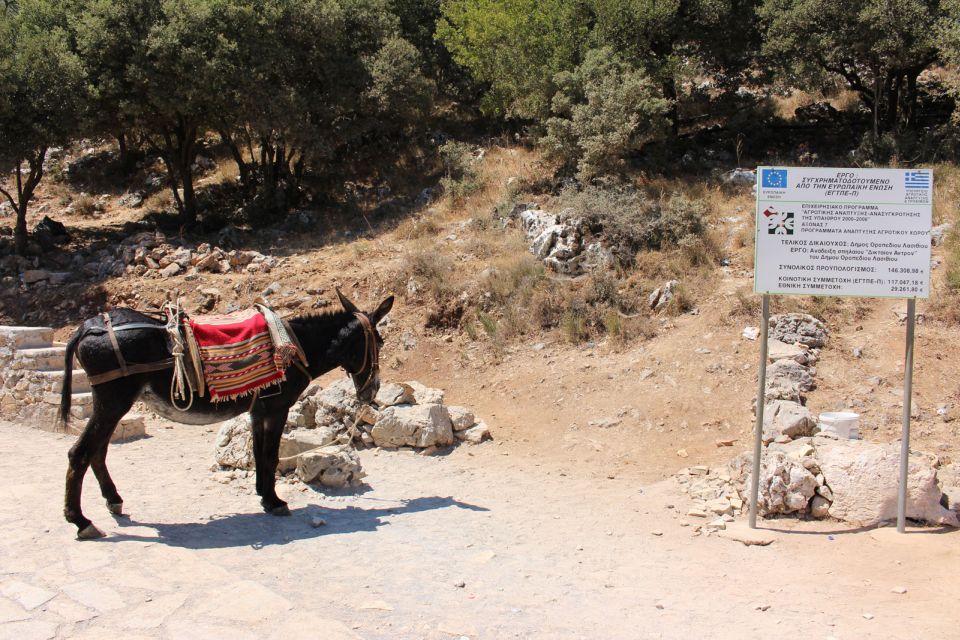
point(538, 552)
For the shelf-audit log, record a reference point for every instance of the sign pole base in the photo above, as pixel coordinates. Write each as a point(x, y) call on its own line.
point(905, 431)
point(758, 428)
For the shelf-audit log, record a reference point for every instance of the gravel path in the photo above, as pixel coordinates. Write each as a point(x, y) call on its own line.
point(477, 543)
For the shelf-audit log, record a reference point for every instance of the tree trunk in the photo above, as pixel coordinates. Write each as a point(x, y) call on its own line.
point(910, 100)
point(670, 93)
point(894, 78)
point(25, 189)
point(124, 152)
point(242, 166)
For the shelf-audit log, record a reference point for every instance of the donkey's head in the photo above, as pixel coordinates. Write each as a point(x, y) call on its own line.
point(362, 359)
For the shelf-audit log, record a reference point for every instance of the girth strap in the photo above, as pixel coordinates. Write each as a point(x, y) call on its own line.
point(133, 369)
point(116, 345)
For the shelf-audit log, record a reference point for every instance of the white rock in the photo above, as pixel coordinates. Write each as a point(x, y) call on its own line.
point(298, 441)
point(863, 477)
point(421, 425)
point(461, 417)
point(475, 434)
point(425, 395)
point(234, 444)
point(332, 466)
point(791, 328)
point(394, 393)
point(784, 417)
point(777, 350)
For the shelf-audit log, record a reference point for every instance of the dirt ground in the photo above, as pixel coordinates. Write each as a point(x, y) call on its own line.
point(567, 525)
point(484, 542)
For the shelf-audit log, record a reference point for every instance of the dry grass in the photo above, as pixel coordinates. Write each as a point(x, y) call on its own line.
point(841, 100)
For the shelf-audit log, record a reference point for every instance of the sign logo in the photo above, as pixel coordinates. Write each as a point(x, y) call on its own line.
point(774, 178)
point(779, 223)
point(916, 180)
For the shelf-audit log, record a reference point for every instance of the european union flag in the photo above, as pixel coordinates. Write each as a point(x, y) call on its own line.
point(774, 178)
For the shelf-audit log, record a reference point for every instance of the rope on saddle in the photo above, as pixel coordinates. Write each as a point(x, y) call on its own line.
point(181, 388)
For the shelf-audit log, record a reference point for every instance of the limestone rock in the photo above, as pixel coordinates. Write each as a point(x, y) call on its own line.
point(820, 507)
point(798, 327)
point(777, 350)
point(414, 426)
point(785, 485)
point(461, 418)
point(475, 434)
point(337, 401)
point(298, 441)
point(425, 395)
point(788, 380)
point(662, 296)
point(234, 444)
point(863, 477)
point(784, 417)
point(394, 393)
point(332, 466)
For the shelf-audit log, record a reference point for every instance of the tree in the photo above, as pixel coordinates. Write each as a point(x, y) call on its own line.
point(516, 47)
point(42, 100)
point(665, 36)
point(877, 47)
point(168, 68)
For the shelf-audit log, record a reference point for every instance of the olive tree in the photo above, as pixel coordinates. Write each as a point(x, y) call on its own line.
point(877, 47)
point(42, 100)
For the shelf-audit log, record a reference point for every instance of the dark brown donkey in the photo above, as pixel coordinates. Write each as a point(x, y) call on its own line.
point(347, 339)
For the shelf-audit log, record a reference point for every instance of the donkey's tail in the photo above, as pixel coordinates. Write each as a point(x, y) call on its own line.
point(66, 392)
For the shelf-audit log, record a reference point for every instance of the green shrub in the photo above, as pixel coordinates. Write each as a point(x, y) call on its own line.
point(603, 111)
point(631, 222)
point(460, 171)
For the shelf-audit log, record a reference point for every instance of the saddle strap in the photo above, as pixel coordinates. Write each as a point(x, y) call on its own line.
point(116, 345)
point(148, 367)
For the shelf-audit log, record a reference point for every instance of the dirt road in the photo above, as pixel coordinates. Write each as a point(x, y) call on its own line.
point(479, 543)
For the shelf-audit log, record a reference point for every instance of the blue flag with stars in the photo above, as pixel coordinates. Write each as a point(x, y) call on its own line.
point(774, 178)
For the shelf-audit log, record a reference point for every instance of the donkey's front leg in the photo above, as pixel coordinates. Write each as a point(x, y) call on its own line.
point(271, 430)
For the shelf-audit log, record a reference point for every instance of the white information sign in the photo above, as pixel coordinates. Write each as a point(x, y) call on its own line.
point(843, 232)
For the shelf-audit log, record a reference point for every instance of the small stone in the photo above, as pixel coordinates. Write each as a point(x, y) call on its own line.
point(899, 590)
point(682, 453)
point(657, 533)
point(717, 525)
point(659, 605)
point(761, 607)
point(868, 616)
point(725, 443)
point(317, 522)
point(697, 513)
point(460, 584)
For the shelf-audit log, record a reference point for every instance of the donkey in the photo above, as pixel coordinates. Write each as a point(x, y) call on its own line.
point(347, 339)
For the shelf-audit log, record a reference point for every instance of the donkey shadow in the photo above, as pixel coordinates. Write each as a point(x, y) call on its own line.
point(259, 530)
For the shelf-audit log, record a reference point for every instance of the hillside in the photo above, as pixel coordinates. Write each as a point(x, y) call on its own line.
point(640, 399)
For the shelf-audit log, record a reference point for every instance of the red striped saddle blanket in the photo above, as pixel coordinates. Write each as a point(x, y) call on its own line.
point(237, 352)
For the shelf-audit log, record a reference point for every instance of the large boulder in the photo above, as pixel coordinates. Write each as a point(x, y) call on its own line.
point(336, 404)
point(798, 327)
point(413, 426)
point(394, 393)
point(777, 350)
point(863, 478)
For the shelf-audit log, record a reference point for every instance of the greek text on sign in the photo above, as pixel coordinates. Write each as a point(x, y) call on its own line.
point(843, 232)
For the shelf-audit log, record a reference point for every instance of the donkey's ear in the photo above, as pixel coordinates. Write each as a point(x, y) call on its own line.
point(349, 306)
point(381, 311)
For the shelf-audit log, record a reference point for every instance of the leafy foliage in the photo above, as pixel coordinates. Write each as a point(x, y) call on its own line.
point(604, 110)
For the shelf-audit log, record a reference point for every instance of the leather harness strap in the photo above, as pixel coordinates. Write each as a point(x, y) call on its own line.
point(133, 369)
point(116, 345)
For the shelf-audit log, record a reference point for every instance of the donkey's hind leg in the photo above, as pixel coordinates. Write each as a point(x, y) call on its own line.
point(110, 402)
point(107, 489)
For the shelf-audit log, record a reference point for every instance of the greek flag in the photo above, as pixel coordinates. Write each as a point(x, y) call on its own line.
point(916, 180)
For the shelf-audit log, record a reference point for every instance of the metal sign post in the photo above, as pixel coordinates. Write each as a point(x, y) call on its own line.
point(758, 429)
point(842, 232)
point(905, 433)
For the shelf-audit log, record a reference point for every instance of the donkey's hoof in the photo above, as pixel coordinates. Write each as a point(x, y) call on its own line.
point(90, 532)
point(116, 508)
point(281, 510)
